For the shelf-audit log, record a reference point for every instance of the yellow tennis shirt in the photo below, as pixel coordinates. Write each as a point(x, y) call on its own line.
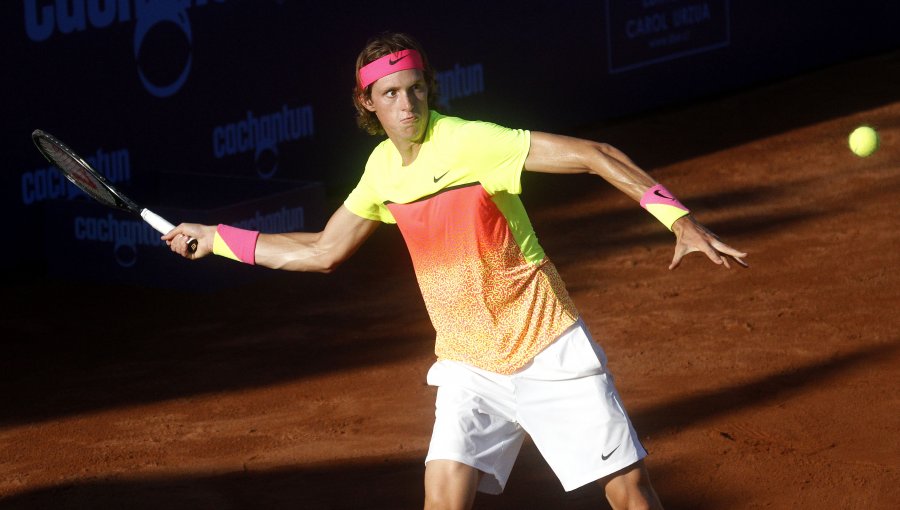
point(494, 298)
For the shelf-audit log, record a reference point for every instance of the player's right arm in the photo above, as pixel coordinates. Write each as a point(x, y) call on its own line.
point(320, 252)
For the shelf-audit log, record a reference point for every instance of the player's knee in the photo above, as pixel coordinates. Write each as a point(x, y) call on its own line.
point(631, 489)
point(633, 498)
point(449, 485)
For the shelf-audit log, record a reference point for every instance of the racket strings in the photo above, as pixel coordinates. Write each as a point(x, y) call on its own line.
point(76, 172)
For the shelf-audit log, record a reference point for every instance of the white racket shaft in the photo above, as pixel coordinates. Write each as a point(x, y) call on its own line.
point(163, 226)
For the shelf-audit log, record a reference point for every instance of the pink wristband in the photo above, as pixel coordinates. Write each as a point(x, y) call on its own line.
point(663, 205)
point(236, 243)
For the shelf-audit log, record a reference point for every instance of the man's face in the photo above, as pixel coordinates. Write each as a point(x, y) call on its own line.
point(400, 101)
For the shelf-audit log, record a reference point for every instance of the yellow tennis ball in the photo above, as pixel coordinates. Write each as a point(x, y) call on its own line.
point(863, 141)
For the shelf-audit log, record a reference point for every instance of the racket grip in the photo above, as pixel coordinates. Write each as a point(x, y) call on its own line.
point(164, 227)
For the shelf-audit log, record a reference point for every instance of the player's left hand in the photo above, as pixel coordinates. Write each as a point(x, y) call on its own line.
point(692, 236)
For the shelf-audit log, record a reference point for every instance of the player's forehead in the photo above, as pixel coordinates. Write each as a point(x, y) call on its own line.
point(400, 79)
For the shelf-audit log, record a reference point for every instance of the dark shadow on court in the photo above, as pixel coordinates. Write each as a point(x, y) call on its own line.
point(73, 348)
point(702, 406)
point(370, 485)
point(392, 484)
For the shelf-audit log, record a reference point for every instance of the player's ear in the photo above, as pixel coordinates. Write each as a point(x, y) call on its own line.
point(366, 100)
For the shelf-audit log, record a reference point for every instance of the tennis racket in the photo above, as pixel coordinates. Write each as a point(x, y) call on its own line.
point(80, 173)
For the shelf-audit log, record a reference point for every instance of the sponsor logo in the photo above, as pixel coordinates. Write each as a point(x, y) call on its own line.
point(660, 195)
point(125, 236)
point(50, 184)
point(646, 32)
point(286, 219)
point(262, 135)
point(437, 178)
point(393, 62)
point(157, 16)
point(162, 34)
point(458, 83)
point(608, 455)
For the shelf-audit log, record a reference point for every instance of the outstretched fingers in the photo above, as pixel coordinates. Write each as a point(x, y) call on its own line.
point(727, 252)
point(692, 236)
point(716, 251)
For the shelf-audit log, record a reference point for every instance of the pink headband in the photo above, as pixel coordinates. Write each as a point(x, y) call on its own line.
point(389, 64)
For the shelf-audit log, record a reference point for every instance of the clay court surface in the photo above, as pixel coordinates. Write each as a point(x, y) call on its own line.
point(769, 387)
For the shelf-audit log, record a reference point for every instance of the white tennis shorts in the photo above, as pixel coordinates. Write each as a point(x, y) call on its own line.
point(564, 399)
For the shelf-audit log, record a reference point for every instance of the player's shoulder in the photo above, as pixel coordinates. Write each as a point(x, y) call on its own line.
point(442, 125)
point(446, 126)
point(441, 121)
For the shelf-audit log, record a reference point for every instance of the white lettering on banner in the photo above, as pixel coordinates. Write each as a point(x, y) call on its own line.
point(49, 183)
point(646, 25)
point(44, 18)
point(263, 134)
point(652, 31)
point(660, 22)
point(459, 82)
point(690, 15)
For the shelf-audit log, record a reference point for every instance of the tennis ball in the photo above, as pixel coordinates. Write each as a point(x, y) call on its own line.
point(863, 141)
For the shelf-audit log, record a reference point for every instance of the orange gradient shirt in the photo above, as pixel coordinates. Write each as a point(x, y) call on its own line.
point(494, 298)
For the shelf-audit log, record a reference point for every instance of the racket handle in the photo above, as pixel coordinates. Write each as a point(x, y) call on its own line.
point(164, 227)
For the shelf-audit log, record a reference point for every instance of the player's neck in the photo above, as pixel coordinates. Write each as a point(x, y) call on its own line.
point(408, 150)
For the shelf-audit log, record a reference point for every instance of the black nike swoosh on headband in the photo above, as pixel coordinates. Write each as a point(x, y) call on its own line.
point(392, 61)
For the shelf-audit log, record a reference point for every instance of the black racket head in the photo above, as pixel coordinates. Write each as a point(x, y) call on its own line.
point(80, 173)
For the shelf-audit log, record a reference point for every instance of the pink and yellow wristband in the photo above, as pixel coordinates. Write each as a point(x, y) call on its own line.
point(659, 202)
point(389, 64)
point(236, 244)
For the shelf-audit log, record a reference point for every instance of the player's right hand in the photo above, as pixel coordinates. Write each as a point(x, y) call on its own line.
point(177, 239)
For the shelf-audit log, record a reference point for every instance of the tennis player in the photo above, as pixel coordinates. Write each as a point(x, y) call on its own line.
point(514, 356)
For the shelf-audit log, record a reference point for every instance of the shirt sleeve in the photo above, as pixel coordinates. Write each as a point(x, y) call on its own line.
point(365, 202)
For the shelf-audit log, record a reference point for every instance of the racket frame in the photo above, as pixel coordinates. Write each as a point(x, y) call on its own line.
point(119, 199)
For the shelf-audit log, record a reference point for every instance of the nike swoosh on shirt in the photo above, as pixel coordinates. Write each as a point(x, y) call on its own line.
point(436, 179)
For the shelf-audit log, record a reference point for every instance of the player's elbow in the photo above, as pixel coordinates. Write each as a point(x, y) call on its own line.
point(601, 149)
point(328, 265)
point(591, 154)
point(327, 259)
point(314, 264)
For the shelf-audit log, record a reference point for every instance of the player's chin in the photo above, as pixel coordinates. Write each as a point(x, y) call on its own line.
point(412, 133)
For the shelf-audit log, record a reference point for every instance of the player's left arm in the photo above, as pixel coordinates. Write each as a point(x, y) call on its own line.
point(559, 154)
